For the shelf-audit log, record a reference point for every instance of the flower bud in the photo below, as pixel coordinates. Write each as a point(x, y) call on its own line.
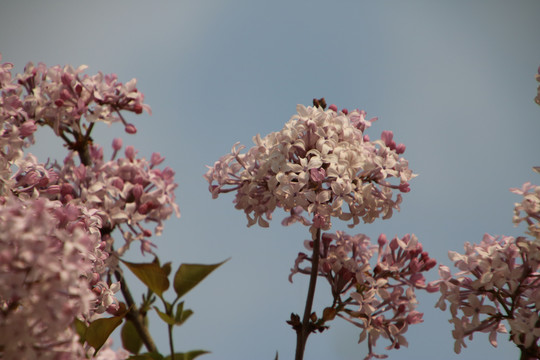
point(382, 240)
point(117, 144)
point(130, 129)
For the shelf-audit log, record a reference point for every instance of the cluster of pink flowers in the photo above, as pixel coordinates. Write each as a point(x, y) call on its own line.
point(49, 254)
point(529, 208)
point(128, 191)
point(320, 162)
point(363, 292)
point(56, 220)
point(499, 280)
point(61, 97)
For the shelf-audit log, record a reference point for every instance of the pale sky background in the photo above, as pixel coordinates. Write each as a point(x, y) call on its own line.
point(454, 81)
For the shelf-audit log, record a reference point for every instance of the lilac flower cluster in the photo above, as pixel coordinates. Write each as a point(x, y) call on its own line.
point(320, 162)
point(48, 255)
point(57, 220)
point(499, 280)
point(61, 97)
point(128, 191)
point(378, 298)
point(529, 208)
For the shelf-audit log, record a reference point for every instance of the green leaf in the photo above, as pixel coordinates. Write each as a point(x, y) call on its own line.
point(185, 315)
point(99, 331)
point(189, 275)
point(165, 317)
point(152, 275)
point(80, 328)
point(188, 356)
point(179, 310)
point(167, 268)
point(131, 341)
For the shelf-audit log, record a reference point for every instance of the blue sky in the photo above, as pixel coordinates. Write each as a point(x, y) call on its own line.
point(454, 81)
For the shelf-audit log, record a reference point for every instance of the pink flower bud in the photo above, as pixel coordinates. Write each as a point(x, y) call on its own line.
point(28, 128)
point(430, 264)
point(118, 183)
point(345, 111)
point(130, 152)
point(382, 240)
point(59, 102)
point(137, 191)
point(78, 89)
point(130, 129)
point(333, 107)
point(138, 109)
point(404, 187)
point(394, 244)
point(156, 159)
point(387, 136)
point(67, 78)
point(117, 144)
point(400, 149)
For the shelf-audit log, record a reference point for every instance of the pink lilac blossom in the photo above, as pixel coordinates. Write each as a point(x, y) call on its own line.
point(16, 128)
point(126, 192)
point(320, 162)
point(381, 299)
point(49, 253)
point(529, 209)
point(498, 280)
point(61, 97)
point(65, 99)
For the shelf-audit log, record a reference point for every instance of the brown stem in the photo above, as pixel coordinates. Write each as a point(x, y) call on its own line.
point(303, 333)
point(134, 314)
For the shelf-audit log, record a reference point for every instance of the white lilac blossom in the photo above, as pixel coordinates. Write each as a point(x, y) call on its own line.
point(48, 254)
point(320, 162)
point(375, 293)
